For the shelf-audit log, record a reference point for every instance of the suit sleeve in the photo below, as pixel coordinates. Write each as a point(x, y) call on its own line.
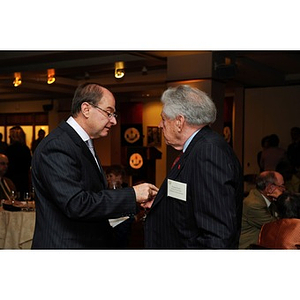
point(69, 179)
point(214, 196)
point(258, 215)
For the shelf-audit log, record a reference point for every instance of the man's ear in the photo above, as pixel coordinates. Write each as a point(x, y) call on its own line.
point(85, 109)
point(179, 122)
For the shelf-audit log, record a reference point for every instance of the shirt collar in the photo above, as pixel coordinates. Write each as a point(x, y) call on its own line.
point(81, 132)
point(188, 141)
point(268, 202)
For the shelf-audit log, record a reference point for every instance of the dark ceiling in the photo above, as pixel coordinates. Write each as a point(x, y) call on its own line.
point(146, 71)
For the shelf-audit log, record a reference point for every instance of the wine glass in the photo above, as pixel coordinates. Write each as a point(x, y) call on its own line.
point(13, 197)
point(27, 198)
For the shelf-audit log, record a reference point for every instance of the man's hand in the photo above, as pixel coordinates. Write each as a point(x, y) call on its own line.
point(145, 194)
point(147, 205)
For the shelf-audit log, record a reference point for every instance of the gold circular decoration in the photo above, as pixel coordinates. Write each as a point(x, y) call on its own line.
point(131, 135)
point(136, 161)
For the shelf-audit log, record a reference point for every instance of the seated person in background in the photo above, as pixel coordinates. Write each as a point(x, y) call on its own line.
point(115, 175)
point(6, 185)
point(290, 176)
point(285, 232)
point(257, 208)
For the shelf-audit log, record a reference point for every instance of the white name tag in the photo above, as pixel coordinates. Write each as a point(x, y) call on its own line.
point(177, 189)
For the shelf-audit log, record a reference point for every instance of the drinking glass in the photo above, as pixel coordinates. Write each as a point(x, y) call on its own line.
point(27, 198)
point(13, 197)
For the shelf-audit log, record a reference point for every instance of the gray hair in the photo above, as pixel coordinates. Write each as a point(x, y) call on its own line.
point(193, 104)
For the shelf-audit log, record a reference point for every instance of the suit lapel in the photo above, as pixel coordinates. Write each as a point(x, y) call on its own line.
point(86, 151)
point(179, 167)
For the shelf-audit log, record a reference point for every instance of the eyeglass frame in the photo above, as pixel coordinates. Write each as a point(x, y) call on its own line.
point(110, 115)
point(281, 186)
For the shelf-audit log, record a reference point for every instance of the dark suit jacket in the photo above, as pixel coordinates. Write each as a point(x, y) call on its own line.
point(72, 203)
point(211, 215)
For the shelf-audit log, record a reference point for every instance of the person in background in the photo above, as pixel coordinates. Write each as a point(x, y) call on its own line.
point(115, 175)
point(290, 176)
point(73, 202)
point(257, 208)
point(6, 185)
point(293, 151)
point(264, 145)
point(285, 232)
point(3, 145)
point(272, 155)
point(19, 157)
point(34, 144)
point(199, 204)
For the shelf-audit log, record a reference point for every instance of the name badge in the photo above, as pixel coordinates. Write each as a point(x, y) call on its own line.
point(177, 189)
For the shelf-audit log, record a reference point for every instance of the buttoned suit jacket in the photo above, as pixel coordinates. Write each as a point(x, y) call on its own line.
point(211, 215)
point(255, 214)
point(72, 203)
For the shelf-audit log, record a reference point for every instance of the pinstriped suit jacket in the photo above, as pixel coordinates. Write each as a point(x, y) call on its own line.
point(72, 203)
point(211, 215)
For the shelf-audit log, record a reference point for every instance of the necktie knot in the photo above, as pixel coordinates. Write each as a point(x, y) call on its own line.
point(91, 146)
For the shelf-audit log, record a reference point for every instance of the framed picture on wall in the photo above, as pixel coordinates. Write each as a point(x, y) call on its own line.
point(153, 136)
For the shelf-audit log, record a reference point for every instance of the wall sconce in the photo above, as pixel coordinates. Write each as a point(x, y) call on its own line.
point(51, 76)
point(18, 79)
point(119, 69)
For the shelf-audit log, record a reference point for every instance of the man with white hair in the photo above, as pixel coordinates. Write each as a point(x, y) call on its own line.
point(199, 204)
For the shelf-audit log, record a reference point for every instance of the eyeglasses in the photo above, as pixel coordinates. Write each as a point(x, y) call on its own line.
point(281, 186)
point(109, 114)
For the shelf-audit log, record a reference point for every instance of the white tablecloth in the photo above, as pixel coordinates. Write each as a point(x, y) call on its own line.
point(16, 229)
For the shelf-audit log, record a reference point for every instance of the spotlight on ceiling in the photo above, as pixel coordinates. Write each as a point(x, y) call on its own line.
point(119, 69)
point(17, 79)
point(51, 76)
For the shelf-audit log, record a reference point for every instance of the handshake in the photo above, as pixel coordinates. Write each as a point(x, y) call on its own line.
point(145, 194)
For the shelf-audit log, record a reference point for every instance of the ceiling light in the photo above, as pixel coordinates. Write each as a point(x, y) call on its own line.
point(119, 69)
point(51, 76)
point(18, 79)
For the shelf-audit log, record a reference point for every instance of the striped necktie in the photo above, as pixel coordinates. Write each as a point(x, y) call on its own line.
point(89, 143)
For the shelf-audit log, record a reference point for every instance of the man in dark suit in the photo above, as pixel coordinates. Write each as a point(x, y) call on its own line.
point(73, 204)
point(199, 204)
